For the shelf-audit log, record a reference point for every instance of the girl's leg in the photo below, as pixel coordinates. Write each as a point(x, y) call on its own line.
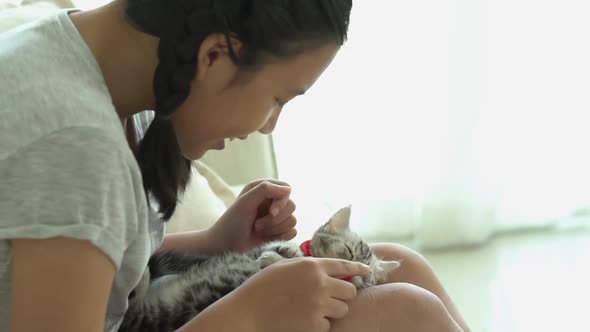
point(416, 270)
point(396, 307)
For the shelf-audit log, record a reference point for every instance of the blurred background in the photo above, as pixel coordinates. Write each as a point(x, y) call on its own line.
point(458, 128)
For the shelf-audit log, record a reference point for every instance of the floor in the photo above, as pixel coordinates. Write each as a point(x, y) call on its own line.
point(520, 283)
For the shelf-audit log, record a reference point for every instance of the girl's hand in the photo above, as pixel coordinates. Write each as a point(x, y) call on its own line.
point(263, 212)
point(299, 295)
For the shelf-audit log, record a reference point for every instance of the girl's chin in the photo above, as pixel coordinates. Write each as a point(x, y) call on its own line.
point(195, 154)
point(199, 151)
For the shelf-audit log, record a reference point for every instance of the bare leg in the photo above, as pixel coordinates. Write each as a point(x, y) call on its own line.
point(396, 307)
point(417, 271)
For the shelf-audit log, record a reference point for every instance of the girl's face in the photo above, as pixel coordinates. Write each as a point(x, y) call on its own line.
point(226, 103)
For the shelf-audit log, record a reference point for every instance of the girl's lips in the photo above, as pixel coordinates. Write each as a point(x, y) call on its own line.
point(219, 145)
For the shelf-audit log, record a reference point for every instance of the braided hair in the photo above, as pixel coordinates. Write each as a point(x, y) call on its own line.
point(278, 28)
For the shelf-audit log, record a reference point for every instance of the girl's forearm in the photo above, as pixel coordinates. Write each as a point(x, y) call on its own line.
point(226, 315)
point(197, 242)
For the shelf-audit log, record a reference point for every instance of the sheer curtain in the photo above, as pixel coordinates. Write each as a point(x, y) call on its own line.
point(447, 121)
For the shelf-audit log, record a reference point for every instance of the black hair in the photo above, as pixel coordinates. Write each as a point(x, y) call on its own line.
point(278, 28)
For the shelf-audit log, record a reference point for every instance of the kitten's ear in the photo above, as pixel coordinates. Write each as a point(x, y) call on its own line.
point(340, 221)
point(388, 266)
point(384, 268)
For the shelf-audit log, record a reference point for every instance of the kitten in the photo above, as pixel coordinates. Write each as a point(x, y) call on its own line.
point(176, 287)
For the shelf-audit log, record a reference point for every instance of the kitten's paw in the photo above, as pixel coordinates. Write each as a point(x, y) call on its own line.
point(289, 250)
point(267, 258)
point(285, 249)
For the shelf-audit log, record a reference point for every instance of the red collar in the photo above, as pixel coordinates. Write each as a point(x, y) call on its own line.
point(306, 249)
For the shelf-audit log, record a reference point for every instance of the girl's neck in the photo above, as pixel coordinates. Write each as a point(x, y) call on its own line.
point(126, 56)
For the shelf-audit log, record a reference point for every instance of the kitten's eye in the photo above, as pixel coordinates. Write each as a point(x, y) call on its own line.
point(350, 256)
point(366, 251)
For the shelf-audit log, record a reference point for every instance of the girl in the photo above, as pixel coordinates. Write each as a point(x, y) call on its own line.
point(76, 227)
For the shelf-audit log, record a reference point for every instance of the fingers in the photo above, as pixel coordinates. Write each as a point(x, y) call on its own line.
point(277, 206)
point(336, 309)
point(286, 210)
point(342, 268)
point(255, 183)
point(274, 225)
point(266, 190)
point(324, 325)
point(264, 227)
point(277, 182)
point(341, 290)
point(262, 210)
point(289, 235)
point(286, 225)
point(286, 236)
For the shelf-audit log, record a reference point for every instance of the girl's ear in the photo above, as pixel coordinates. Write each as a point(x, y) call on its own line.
point(213, 49)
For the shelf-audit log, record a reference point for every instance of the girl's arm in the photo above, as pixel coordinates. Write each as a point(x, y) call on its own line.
point(200, 242)
point(239, 228)
point(59, 284)
point(63, 284)
point(225, 315)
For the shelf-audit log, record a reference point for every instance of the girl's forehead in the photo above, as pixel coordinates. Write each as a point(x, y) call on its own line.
point(302, 70)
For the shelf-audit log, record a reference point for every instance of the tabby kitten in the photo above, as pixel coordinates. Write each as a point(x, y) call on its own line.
point(176, 287)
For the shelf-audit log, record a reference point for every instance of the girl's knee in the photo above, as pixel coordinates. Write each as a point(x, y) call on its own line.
point(395, 251)
point(423, 311)
point(411, 261)
point(416, 300)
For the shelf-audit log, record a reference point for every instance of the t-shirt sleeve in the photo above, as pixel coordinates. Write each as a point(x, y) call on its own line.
point(75, 183)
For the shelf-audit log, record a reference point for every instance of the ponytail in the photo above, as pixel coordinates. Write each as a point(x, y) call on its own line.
point(165, 171)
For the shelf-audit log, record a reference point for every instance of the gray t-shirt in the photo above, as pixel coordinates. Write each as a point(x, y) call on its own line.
point(65, 166)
